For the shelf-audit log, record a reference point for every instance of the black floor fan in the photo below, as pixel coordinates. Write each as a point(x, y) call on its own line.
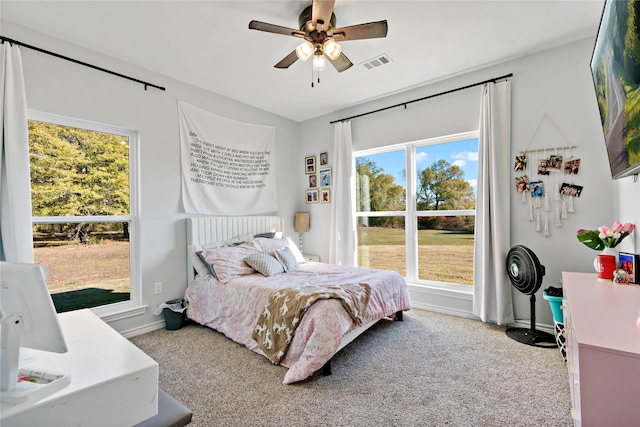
point(525, 273)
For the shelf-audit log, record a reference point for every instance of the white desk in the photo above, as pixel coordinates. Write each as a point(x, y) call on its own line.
point(113, 383)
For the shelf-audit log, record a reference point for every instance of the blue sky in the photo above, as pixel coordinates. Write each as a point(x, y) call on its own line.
point(461, 153)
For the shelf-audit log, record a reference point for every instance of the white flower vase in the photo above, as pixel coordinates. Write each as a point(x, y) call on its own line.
point(606, 263)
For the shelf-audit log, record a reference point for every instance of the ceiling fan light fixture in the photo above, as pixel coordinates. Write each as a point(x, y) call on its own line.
point(304, 50)
point(331, 49)
point(319, 63)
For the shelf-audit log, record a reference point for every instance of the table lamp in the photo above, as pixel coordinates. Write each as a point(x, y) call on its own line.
point(301, 224)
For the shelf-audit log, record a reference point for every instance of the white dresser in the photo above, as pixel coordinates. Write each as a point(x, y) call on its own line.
point(603, 350)
point(113, 382)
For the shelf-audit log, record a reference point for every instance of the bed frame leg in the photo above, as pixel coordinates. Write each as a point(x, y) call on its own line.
point(398, 316)
point(326, 369)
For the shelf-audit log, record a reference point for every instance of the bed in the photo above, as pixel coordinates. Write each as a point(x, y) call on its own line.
point(232, 296)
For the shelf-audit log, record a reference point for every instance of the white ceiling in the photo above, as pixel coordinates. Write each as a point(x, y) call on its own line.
point(208, 43)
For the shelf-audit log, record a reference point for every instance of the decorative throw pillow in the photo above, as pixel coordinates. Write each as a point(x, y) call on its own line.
point(201, 266)
point(287, 259)
point(265, 263)
point(271, 245)
point(228, 262)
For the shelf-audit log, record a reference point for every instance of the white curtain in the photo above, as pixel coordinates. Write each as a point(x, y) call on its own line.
point(342, 241)
point(16, 235)
point(492, 300)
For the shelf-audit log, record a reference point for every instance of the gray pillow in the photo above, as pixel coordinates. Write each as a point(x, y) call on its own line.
point(287, 259)
point(269, 235)
point(206, 263)
point(265, 264)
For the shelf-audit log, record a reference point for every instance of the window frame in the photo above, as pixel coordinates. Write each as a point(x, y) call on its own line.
point(410, 213)
point(134, 306)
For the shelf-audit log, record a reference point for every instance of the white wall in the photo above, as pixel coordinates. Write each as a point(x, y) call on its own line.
point(63, 88)
point(556, 84)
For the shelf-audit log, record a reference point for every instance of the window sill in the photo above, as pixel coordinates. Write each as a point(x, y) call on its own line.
point(114, 312)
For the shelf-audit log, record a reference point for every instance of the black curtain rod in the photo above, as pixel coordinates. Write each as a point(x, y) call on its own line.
point(146, 84)
point(422, 99)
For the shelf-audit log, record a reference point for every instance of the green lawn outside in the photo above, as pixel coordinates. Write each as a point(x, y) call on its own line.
point(86, 275)
point(443, 256)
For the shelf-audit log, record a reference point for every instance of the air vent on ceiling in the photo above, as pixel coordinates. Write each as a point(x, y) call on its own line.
point(376, 62)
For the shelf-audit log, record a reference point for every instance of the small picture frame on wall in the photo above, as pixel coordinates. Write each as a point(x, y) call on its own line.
point(312, 196)
point(325, 177)
point(325, 195)
point(310, 165)
point(324, 158)
point(313, 181)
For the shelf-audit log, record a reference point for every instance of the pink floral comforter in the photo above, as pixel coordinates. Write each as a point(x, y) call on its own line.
point(233, 309)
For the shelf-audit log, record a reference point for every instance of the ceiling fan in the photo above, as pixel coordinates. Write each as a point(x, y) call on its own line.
point(317, 27)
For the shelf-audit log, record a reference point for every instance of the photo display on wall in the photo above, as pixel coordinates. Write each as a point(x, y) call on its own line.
point(548, 189)
point(319, 178)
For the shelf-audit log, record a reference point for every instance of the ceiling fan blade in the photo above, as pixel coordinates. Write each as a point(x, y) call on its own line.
point(321, 11)
point(287, 61)
point(341, 63)
point(371, 30)
point(275, 29)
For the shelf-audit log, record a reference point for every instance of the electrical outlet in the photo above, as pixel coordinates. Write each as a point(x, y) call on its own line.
point(158, 289)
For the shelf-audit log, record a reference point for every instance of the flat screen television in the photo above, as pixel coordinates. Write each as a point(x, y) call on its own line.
point(615, 67)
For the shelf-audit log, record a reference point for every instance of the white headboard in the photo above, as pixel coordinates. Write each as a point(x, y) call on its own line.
point(216, 228)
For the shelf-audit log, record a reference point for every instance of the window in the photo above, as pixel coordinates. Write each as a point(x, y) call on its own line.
point(380, 206)
point(84, 211)
point(421, 227)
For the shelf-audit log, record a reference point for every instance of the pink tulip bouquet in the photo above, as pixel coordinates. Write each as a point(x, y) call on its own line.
point(605, 236)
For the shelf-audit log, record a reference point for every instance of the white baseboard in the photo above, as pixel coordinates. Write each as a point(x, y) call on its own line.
point(143, 329)
point(443, 310)
point(456, 304)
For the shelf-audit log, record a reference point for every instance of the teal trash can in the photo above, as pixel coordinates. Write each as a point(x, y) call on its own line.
point(174, 314)
point(558, 321)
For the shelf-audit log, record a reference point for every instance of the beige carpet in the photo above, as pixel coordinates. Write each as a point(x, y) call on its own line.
point(429, 370)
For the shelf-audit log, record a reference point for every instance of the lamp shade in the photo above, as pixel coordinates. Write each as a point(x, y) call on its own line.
point(304, 50)
point(301, 222)
point(331, 49)
point(319, 63)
